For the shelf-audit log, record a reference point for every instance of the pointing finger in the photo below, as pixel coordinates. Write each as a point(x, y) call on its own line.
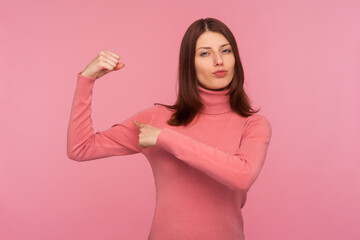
point(139, 124)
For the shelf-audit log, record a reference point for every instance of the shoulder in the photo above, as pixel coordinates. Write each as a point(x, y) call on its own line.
point(147, 115)
point(258, 123)
point(144, 115)
point(148, 111)
point(258, 118)
point(163, 108)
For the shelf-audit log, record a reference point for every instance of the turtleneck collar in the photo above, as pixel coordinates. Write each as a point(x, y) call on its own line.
point(215, 102)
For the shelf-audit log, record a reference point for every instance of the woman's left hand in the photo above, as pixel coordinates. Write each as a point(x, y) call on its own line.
point(148, 134)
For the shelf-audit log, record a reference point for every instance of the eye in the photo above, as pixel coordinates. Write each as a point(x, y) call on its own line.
point(204, 53)
point(226, 51)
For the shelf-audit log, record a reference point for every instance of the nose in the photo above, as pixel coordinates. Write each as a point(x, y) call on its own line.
point(218, 60)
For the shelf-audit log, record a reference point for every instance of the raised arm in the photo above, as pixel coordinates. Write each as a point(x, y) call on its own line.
point(237, 171)
point(82, 143)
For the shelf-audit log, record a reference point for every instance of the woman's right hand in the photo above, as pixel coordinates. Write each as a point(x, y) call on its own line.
point(104, 63)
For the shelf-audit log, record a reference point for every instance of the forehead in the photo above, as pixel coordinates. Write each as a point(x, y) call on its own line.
point(211, 39)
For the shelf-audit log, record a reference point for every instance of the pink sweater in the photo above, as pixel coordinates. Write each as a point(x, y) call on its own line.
point(202, 171)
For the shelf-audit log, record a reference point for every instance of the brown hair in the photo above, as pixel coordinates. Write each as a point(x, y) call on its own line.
point(188, 102)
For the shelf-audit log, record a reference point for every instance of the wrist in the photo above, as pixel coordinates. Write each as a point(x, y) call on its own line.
point(88, 75)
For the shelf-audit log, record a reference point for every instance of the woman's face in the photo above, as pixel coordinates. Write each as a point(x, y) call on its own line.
point(214, 60)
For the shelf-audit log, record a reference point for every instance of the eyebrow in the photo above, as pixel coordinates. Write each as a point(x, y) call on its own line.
point(210, 47)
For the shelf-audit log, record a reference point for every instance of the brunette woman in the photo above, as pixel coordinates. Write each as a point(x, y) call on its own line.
point(205, 151)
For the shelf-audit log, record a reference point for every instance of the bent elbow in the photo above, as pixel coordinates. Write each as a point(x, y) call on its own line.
point(73, 156)
point(245, 177)
point(242, 186)
point(242, 183)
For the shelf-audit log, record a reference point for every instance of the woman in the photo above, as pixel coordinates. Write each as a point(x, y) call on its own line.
point(205, 151)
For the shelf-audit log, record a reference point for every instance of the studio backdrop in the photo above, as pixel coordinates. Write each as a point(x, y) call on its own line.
point(301, 61)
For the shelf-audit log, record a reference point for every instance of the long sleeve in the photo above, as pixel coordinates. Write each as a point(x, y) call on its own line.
point(237, 171)
point(83, 144)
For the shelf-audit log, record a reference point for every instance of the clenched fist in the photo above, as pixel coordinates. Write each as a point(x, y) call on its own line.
point(148, 134)
point(104, 63)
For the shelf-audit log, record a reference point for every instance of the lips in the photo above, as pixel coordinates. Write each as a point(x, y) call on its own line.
point(220, 73)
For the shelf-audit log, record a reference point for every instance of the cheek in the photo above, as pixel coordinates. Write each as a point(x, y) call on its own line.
point(231, 60)
point(200, 68)
point(232, 64)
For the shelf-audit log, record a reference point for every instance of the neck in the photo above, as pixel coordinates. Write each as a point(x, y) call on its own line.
point(215, 101)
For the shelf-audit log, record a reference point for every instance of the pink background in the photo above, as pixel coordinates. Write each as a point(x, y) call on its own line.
point(301, 61)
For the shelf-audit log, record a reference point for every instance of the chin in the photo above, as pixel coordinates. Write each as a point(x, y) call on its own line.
point(215, 86)
point(222, 86)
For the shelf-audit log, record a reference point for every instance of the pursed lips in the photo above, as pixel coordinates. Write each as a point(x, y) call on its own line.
point(220, 73)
